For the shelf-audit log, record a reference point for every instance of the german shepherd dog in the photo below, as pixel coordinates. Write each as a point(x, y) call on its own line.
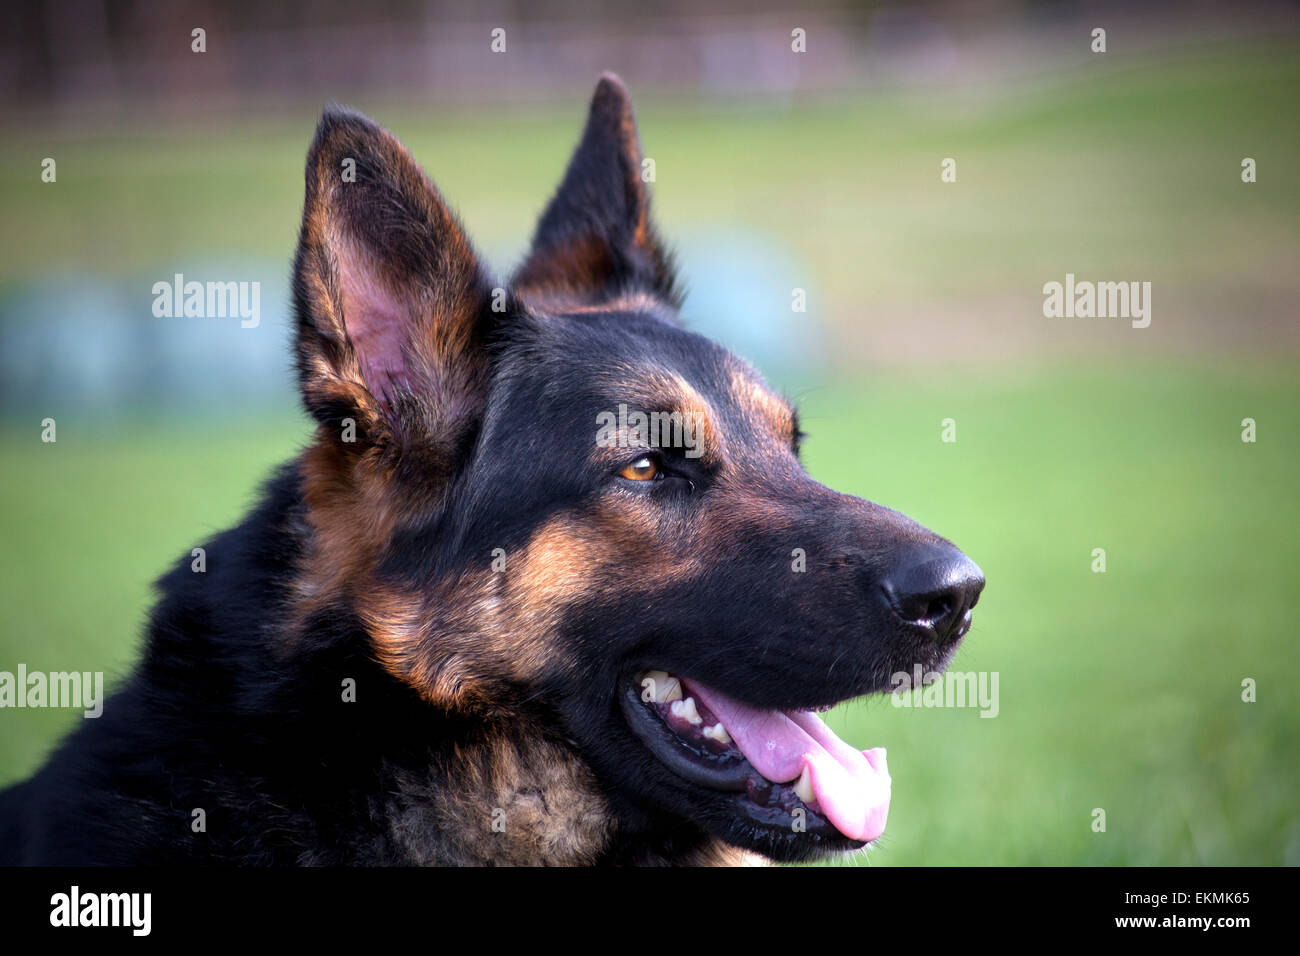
point(466, 627)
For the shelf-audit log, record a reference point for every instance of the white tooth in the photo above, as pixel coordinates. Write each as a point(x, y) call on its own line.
point(652, 683)
point(686, 710)
point(718, 732)
point(803, 787)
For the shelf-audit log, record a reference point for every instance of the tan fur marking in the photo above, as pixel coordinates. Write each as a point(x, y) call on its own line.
point(767, 407)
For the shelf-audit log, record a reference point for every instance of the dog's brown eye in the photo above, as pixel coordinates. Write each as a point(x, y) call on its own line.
point(643, 469)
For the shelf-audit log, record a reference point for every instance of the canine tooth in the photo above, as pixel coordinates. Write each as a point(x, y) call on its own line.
point(803, 787)
point(718, 732)
point(686, 710)
point(660, 687)
point(652, 683)
point(671, 690)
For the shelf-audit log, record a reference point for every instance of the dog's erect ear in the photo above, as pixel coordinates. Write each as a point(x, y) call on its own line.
point(595, 239)
point(393, 308)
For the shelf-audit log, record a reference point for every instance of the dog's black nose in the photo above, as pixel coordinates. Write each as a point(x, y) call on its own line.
point(936, 588)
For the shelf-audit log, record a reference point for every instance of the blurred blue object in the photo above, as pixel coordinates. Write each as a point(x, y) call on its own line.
point(93, 345)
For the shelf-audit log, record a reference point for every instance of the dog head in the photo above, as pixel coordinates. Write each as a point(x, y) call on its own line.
point(549, 496)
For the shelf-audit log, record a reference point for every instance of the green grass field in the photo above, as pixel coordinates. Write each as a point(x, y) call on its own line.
point(1119, 691)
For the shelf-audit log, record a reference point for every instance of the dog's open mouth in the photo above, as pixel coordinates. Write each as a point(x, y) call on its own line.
point(777, 763)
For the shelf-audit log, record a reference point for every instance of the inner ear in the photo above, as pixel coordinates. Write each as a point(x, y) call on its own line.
point(375, 317)
point(596, 240)
point(392, 303)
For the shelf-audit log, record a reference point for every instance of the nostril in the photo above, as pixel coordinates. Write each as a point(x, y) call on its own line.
point(938, 591)
point(926, 608)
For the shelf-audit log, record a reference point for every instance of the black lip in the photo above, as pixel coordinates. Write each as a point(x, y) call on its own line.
point(725, 773)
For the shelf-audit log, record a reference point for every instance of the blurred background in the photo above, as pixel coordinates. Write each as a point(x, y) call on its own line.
point(775, 170)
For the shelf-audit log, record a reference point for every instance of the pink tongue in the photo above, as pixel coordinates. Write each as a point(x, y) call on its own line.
point(851, 787)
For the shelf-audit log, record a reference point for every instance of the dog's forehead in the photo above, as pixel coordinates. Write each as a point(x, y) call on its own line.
point(645, 360)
